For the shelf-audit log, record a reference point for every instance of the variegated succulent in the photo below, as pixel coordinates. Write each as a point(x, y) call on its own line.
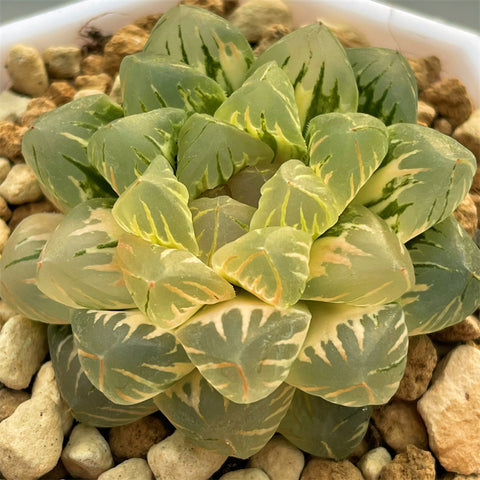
point(246, 243)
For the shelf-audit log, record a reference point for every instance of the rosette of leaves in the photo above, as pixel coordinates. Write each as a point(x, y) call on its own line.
point(247, 244)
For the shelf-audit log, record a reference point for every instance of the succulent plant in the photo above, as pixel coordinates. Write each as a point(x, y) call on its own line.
point(248, 243)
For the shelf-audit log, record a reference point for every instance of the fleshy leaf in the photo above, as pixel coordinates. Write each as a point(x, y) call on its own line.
point(55, 147)
point(168, 285)
point(344, 150)
point(322, 428)
point(77, 265)
point(447, 272)
point(123, 149)
point(423, 178)
point(150, 81)
point(386, 84)
point(155, 208)
point(106, 340)
point(298, 198)
point(87, 404)
point(359, 261)
point(264, 106)
point(271, 263)
point(218, 221)
point(352, 356)
point(215, 423)
point(18, 270)
point(244, 347)
point(211, 151)
point(318, 69)
point(205, 41)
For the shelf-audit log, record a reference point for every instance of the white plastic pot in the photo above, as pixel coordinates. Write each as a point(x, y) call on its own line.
point(414, 36)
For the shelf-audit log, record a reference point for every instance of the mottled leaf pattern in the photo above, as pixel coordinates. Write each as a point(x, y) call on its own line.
point(215, 423)
point(244, 347)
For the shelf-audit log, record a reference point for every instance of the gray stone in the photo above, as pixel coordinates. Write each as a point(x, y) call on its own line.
point(21, 185)
point(132, 469)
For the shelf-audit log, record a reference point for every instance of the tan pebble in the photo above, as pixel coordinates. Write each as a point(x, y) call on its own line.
point(466, 214)
point(476, 181)
point(62, 62)
point(134, 468)
point(36, 108)
point(5, 212)
point(101, 82)
point(87, 92)
point(12, 106)
point(421, 361)
point(215, 6)
point(413, 464)
point(464, 331)
point(23, 211)
point(11, 140)
point(10, 400)
point(128, 40)
point(425, 114)
point(347, 35)
point(27, 70)
point(147, 22)
point(426, 70)
point(59, 472)
point(468, 134)
point(457, 476)
point(254, 16)
point(60, 93)
point(245, 474)
point(320, 468)
point(5, 167)
point(272, 34)
point(4, 234)
point(450, 99)
point(6, 312)
point(92, 64)
point(442, 125)
point(21, 185)
point(87, 453)
point(279, 459)
point(229, 6)
point(372, 463)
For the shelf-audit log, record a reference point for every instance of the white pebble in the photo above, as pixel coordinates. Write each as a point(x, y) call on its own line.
point(87, 453)
point(176, 457)
point(372, 462)
point(23, 346)
point(12, 106)
point(246, 474)
point(133, 468)
point(21, 185)
point(4, 234)
point(62, 62)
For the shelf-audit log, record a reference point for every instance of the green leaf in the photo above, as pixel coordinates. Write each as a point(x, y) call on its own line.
point(264, 106)
point(447, 273)
point(150, 81)
point(359, 261)
point(352, 356)
point(155, 208)
point(298, 198)
point(318, 69)
point(18, 270)
point(168, 285)
point(87, 404)
point(244, 347)
point(423, 178)
point(211, 151)
point(386, 84)
point(215, 423)
point(271, 263)
point(123, 149)
point(106, 342)
point(77, 265)
point(218, 221)
point(322, 428)
point(205, 41)
point(55, 147)
point(344, 151)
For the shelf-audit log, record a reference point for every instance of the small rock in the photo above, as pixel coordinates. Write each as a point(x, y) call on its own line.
point(466, 214)
point(450, 409)
point(23, 211)
point(27, 70)
point(347, 35)
point(21, 185)
point(442, 125)
point(60, 93)
point(5, 167)
point(464, 331)
point(456, 476)
point(215, 6)
point(87, 453)
point(58, 472)
point(147, 22)
point(5, 212)
point(468, 134)
point(30, 440)
point(246, 474)
point(23, 346)
point(87, 92)
point(10, 400)
point(323, 469)
point(425, 114)
point(279, 459)
point(11, 140)
point(426, 70)
point(254, 16)
point(134, 468)
point(36, 108)
point(400, 425)
point(101, 82)
point(4, 234)
point(62, 62)
point(135, 439)
point(450, 99)
point(372, 462)
point(92, 64)
point(421, 361)
point(360, 450)
point(128, 40)
point(6, 312)
point(413, 464)
point(177, 457)
point(12, 106)
point(271, 34)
